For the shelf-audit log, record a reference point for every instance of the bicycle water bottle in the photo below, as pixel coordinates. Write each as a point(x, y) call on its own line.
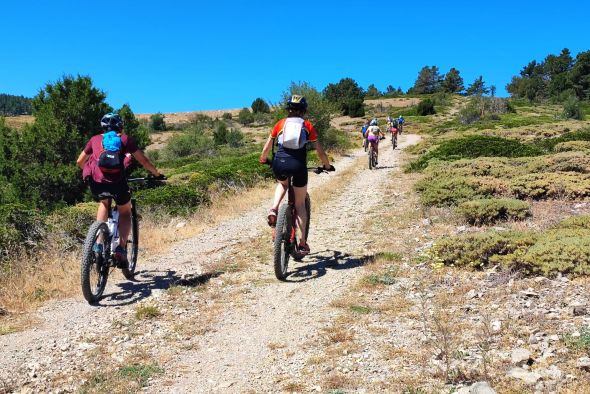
point(113, 225)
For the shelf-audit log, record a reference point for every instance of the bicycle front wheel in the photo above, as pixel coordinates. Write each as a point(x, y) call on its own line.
point(94, 270)
point(132, 244)
point(282, 241)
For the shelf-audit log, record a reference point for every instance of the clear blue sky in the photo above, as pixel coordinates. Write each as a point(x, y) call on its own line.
point(194, 55)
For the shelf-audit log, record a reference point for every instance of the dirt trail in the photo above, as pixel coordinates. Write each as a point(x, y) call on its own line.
point(239, 352)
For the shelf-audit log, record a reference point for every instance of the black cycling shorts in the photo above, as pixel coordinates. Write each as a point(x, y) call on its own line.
point(284, 167)
point(117, 191)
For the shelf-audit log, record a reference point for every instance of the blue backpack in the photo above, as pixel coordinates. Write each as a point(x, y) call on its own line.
point(110, 160)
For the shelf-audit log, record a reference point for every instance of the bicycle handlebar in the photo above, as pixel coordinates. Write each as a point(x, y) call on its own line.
point(148, 178)
point(317, 170)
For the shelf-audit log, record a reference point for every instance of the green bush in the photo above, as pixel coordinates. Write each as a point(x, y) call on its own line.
point(260, 106)
point(548, 144)
point(575, 222)
point(479, 250)
point(20, 228)
point(335, 140)
point(556, 251)
point(220, 133)
point(235, 138)
point(193, 142)
point(171, 199)
point(157, 122)
point(425, 107)
point(226, 116)
point(489, 211)
point(446, 191)
point(245, 117)
point(557, 185)
point(73, 222)
point(475, 146)
point(572, 109)
point(354, 108)
point(572, 146)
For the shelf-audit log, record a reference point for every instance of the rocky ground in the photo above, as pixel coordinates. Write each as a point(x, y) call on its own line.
point(365, 312)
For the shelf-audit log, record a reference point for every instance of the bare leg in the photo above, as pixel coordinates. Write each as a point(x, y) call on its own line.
point(280, 191)
point(124, 223)
point(103, 210)
point(102, 215)
point(300, 193)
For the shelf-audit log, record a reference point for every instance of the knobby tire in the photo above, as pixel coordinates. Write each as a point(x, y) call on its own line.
point(281, 243)
point(132, 245)
point(93, 291)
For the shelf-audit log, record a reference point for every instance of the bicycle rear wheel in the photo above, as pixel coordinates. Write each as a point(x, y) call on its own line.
point(132, 244)
point(370, 159)
point(282, 241)
point(94, 270)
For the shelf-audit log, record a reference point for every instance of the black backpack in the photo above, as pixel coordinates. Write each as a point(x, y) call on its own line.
point(110, 160)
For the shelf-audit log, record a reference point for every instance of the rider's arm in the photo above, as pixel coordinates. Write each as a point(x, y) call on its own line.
point(322, 154)
point(266, 150)
point(82, 159)
point(145, 162)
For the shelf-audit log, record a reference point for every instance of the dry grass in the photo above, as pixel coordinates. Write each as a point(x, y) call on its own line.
point(19, 121)
point(158, 237)
point(276, 345)
point(338, 334)
point(147, 311)
point(336, 381)
point(34, 280)
point(292, 387)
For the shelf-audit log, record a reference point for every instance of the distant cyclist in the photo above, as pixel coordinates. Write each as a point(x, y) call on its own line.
point(103, 162)
point(293, 133)
point(400, 122)
point(364, 132)
point(374, 133)
point(393, 129)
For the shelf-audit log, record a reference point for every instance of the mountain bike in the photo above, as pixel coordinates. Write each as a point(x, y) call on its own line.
point(285, 238)
point(394, 133)
point(372, 157)
point(98, 255)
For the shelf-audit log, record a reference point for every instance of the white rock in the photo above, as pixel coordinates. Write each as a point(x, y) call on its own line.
point(524, 375)
point(496, 325)
point(520, 356)
point(584, 363)
point(86, 346)
point(551, 373)
point(181, 225)
point(481, 388)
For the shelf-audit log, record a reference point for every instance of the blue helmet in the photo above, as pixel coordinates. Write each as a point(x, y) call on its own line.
point(111, 121)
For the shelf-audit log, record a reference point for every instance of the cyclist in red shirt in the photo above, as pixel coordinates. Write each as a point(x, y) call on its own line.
point(290, 160)
point(105, 183)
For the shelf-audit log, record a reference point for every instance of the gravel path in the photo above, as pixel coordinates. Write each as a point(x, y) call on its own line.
point(253, 346)
point(257, 345)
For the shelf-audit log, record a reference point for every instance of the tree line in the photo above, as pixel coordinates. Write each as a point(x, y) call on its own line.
point(557, 77)
point(15, 105)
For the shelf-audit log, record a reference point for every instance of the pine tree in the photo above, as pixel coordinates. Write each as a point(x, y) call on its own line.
point(453, 82)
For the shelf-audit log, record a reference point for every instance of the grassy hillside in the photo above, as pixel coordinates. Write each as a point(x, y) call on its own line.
point(523, 167)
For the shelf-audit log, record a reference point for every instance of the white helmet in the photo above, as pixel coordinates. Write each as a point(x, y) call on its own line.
point(374, 122)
